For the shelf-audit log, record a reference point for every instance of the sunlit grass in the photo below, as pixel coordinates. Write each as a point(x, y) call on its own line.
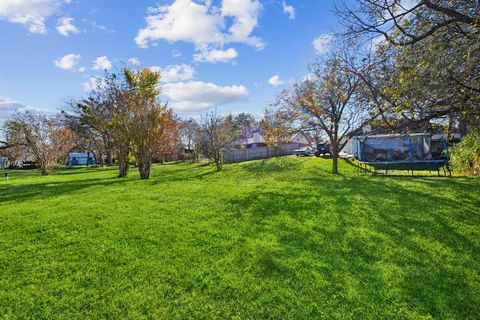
point(279, 238)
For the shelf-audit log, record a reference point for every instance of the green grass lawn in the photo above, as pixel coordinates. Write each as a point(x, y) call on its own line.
point(273, 239)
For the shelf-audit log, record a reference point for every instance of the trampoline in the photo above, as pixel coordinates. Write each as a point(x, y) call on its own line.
point(412, 152)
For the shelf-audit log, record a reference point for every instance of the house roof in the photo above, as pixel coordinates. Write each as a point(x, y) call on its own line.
point(256, 138)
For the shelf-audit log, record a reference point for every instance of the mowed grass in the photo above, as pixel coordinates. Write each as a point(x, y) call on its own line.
point(271, 239)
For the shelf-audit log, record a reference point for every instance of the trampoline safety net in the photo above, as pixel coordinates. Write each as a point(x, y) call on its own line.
point(393, 148)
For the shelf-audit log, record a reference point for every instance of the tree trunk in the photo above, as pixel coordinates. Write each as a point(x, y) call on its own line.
point(218, 164)
point(122, 169)
point(109, 158)
point(108, 151)
point(100, 158)
point(334, 158)
point(144, 166)
point(44, 170)
point(218, 160)
point(122, 159)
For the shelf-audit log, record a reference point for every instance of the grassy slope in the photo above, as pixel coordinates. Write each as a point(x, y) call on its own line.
point(265, 239)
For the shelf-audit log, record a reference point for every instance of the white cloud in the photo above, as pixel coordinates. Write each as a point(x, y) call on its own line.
point(92, 83)
point(176, 54)
point(67, 62)
point(215, 55)
point(288, 10)
point(183, 20)
point(198, 95)
point(276, 81)
point(175, 73)
point(65, 26)
point(203, 24)
point(134, 61)
point(9, 107)
point(102, 63)
point(245, 14)
point(322, 43)
point(29, 13)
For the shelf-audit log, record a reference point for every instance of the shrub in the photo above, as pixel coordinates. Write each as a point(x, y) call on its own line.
point(466, 154)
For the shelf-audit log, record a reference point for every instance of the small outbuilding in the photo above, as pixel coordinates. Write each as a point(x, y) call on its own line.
point(81, 159)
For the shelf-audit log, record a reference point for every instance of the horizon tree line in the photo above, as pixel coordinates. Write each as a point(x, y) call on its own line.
point(423, 75)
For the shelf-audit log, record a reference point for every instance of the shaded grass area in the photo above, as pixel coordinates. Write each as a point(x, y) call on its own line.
point(270, 239)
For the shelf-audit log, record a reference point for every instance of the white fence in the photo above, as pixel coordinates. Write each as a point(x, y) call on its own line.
point(240, 155)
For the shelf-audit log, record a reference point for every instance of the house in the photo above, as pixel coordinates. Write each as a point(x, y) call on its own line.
point(81, 159)
point(255, 141)
point(302, 140)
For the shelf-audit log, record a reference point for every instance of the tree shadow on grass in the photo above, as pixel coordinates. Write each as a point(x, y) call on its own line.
point(25, 192)
point(372, 242)
point(181, 172)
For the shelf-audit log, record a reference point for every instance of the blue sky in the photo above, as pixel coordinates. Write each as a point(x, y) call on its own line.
point(212, 53)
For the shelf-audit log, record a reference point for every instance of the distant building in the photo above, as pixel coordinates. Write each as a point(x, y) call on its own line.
point(81, 159)
point(255, 141)
point(302, 139)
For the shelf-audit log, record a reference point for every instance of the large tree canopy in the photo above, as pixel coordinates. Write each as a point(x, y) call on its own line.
point(428, 69)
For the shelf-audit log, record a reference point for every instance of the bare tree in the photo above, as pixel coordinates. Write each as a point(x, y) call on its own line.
point(221, 133)
point(45, 138)
point(404, 22)
point(191, 137)
point(12, 148)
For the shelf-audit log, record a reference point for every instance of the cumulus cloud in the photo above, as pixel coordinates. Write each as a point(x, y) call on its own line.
point(175, 73)
point(276, 81)
point(183, 20)
point(245, 14)
point(68, 62)
point(65, 26)
point(322, 43)
point(9, 107)
point(101, 63)
point(198, 95)
point(203, 24)
point(30, 14)
point(215, 55)
point(288, 10)
point(134, 61)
